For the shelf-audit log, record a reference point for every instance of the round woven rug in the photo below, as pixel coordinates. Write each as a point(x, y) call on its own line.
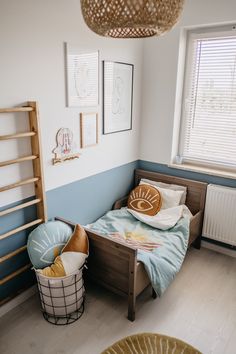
point(150, 343)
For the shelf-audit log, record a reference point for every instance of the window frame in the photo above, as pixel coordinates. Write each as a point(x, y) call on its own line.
point(186, 56)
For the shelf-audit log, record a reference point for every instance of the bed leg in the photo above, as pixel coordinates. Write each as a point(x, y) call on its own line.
point(131, 307)
point(132, 286)
point(154, 294)
point(197, 243)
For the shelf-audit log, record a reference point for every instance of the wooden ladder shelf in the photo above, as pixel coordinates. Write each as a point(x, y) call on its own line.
point(38, 180)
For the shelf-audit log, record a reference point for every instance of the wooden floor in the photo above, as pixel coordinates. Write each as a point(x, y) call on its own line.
point(199, 307)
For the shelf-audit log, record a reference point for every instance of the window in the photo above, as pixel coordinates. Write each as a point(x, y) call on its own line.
point(208, 120)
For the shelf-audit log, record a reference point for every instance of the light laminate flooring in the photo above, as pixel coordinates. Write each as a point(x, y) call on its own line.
point(199, 307)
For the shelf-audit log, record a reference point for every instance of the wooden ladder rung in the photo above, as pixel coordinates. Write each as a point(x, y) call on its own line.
point(18, 160)
point(14, 274)
point(21, 228)
point(20, 206)
point(12, 254)
point(37, 179)
point(19, 184)
point(16, 109)
point(17, 135)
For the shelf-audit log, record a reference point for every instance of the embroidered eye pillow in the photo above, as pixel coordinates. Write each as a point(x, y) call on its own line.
point(46, 241)
point(145, 199)
point(72, 257)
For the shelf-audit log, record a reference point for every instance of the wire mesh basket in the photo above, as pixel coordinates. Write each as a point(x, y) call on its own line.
point(62, 299)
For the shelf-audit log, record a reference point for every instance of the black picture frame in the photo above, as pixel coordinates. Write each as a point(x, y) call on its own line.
point(118, 79)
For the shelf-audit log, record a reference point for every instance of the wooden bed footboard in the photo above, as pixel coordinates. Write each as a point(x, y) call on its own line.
point(195, 232)
point(113, 265)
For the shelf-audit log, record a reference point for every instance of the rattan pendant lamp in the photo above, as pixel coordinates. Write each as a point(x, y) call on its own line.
point(131, 18)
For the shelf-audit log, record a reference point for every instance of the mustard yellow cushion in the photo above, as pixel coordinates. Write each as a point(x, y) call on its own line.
point(78, 241)
point(145, 199)
point(55, 270)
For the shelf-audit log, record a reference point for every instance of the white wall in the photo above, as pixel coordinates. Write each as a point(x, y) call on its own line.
point(160, 74)
point(32, 67)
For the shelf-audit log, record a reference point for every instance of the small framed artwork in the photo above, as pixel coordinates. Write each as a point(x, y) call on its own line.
point(88, 129)
point(117, 96)
point(82, 77)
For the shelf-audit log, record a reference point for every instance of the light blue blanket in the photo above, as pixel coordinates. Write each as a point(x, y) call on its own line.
point(163, 262)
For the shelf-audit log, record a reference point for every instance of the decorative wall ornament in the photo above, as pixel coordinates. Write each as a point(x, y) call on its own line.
point(131, 18)
point(88, 129)
point(82, 77)
point(117, 96)
point(66, 148)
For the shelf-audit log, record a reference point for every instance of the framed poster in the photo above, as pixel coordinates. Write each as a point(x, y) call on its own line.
point(117, 96)
point(82, 77)
point(88, 129)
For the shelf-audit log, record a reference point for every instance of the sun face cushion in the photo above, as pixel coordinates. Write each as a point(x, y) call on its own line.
point(145, 199)
point(46, 241)
point(72, 257)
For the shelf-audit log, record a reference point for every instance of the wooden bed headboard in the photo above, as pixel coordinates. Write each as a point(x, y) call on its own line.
point(196, 191)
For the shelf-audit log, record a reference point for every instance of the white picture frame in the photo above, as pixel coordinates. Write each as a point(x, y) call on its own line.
point(82, 77)
point(117, 96)
point(88, 129)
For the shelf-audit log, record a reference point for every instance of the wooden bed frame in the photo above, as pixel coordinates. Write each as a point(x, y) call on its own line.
point(114, 265)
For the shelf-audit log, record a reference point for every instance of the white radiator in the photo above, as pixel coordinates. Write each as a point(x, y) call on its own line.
point(220, 214)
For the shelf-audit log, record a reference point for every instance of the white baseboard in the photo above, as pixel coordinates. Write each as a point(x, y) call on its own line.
point(18, 300)
point(219, 249)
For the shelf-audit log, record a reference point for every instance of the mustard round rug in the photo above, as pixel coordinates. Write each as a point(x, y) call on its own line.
point(150, 343)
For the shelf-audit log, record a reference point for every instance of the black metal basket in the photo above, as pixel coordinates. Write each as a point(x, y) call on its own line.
point(62, 299)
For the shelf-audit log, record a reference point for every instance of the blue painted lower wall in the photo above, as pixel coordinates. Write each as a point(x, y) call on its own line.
point(8, 245)
point(86, 200)
point(82, 202)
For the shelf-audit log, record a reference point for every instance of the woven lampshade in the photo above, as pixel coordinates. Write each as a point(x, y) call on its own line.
point(131, 18)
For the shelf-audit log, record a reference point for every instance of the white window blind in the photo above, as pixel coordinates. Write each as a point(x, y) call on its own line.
point(209, 101)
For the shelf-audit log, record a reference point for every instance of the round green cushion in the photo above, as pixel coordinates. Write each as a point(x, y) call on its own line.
point(46, 242)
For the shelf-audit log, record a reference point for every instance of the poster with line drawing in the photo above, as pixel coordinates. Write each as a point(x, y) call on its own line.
point(117, 100)
point(82, 78)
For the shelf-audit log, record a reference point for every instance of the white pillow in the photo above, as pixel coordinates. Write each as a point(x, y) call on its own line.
point(170, 198)
point(174, 187)
point(165, 219)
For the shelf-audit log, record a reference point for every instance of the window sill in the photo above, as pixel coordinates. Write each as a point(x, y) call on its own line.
point(205, 170)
